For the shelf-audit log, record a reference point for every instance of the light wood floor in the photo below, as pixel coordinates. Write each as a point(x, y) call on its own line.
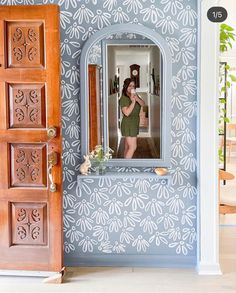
point(138, 280)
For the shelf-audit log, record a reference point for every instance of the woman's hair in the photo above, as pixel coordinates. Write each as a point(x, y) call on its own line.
point(127, 81)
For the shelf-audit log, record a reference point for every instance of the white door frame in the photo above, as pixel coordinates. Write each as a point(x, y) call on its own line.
point(208, 205)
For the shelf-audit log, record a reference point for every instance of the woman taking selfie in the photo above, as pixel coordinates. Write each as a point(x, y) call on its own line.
point(130, 104)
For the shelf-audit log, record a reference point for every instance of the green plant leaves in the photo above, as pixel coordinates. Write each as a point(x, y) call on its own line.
point(232, 77)
point(226, 37)
point(221, 156)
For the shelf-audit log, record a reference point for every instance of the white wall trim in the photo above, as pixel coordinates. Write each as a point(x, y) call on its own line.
point(209, 269)
point(208, 215)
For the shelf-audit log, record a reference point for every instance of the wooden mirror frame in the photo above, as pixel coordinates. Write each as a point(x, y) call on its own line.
point(164, 160)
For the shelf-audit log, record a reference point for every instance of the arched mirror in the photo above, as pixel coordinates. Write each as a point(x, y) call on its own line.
point(108, 58)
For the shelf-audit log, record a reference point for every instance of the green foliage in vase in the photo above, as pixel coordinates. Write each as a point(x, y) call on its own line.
point(100, 155)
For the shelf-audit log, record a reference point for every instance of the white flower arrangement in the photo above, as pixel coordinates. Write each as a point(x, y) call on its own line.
point(100, 155)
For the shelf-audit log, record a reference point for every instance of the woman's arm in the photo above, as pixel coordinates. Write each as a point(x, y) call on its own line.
point(139, 100)
point(128, 110)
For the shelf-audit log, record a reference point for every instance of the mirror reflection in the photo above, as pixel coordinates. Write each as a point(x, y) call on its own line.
point(125, 96)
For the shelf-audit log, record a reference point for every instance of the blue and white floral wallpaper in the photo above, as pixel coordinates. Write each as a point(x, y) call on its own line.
point(130, 216)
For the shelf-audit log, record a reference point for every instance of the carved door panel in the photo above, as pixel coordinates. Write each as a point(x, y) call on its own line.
point(30, 181)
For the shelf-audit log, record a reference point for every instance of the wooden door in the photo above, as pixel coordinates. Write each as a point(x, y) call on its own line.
point(95, 132)
point(30, 214)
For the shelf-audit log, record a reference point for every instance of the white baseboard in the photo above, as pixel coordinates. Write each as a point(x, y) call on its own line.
point(131, 260)
point(209, 269)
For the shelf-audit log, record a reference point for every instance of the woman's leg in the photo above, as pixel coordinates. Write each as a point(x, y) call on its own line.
point(126, 147)
point(132, 145)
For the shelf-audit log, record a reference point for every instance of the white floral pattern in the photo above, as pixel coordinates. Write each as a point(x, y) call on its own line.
point(130, 215)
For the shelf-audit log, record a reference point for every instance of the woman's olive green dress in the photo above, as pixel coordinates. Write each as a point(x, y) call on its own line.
point(130, 124)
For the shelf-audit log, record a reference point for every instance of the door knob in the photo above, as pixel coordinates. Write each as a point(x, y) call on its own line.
point(52, 132)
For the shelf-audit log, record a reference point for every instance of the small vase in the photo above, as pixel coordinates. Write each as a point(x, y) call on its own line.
point(100, 169)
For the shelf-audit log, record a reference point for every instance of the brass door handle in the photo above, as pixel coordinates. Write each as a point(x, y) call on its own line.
point(52, 132)
point(52, 161)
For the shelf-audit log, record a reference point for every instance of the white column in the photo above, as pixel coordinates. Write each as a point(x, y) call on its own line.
point(208, 225)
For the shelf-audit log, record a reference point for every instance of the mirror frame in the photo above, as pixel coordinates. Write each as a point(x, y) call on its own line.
point(164, 161)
